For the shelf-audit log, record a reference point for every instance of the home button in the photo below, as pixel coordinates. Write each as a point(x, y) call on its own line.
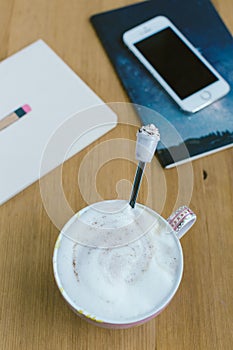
point(206, 95)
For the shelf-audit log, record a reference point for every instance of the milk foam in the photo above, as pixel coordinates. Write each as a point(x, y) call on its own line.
point(126, 282)
point(109, 224)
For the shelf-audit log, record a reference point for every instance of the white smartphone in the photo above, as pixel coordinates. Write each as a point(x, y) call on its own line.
point(182, 71)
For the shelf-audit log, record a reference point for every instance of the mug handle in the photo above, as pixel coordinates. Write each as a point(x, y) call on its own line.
point(182, 220)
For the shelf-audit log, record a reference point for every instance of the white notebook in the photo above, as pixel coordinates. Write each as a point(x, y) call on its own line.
point(44, 106)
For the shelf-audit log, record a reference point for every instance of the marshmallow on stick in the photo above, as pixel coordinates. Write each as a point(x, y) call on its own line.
point(147, 139)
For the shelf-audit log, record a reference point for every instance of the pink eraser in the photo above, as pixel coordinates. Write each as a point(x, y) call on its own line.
point(26, 108)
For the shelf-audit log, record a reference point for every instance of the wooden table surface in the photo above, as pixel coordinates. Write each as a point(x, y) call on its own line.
point(33, 314)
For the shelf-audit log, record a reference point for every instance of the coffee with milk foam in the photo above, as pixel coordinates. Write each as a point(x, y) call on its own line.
point(124, 266)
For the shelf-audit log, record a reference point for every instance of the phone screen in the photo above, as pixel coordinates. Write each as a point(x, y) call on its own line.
point(176, 63)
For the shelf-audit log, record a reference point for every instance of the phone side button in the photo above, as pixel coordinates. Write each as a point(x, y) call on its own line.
point(205, 95)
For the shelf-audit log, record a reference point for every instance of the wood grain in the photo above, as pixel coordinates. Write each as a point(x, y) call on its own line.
point(32, 312)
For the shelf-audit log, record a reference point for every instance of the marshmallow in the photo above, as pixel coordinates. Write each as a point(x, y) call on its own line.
point(147, 139)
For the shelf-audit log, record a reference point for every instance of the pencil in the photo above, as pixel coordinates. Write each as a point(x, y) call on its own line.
point(14, 116)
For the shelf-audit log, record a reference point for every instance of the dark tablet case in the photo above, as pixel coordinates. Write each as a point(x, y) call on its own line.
point(204, 132)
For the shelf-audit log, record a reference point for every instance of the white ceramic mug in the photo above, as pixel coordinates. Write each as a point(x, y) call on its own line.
point(83, 286)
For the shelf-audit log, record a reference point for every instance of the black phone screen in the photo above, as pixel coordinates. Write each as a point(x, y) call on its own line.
point(176, 63)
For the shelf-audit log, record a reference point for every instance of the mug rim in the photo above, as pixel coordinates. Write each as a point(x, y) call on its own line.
point(134, 320)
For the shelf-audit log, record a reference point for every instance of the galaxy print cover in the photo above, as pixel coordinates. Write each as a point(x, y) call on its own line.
point(201, 133)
